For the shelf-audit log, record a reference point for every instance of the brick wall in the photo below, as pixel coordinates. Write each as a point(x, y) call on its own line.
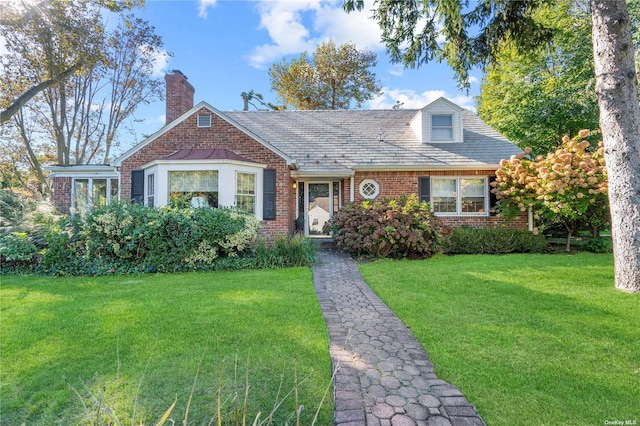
point(61, 194)
point(221, 134)
point(396, 184)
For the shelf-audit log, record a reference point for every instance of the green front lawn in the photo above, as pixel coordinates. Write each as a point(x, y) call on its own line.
point(530, 339)
point(113, 334)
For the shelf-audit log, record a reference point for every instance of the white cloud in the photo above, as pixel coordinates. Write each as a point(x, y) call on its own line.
point(413, 100)
point(283, 22)
point(356, 27)
point(160, 60)
point(473, 79)
point(396, 72)
point(204, 5)
point(298, 26)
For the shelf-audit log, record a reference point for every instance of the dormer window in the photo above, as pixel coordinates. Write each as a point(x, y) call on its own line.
point(204, 120)
point(439, 122)
point(442, 127)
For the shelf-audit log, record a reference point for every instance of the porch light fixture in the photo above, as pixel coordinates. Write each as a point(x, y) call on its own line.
point(294, 185)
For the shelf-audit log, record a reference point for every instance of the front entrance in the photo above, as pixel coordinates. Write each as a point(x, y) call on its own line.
point(317, 201)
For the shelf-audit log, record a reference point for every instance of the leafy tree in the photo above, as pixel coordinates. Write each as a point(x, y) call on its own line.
point(536, 98)
point(77, 119)
point(16, 15)
point(410, 31)
point(333, 78)
point(567, 186)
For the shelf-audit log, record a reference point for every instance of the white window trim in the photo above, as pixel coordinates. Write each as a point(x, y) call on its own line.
point(369, 182)
point(458, 211)
point(148, 191)
point(255, 189)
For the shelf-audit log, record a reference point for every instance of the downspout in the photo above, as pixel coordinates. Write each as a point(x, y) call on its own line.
point(530, 219)
point(351, 189)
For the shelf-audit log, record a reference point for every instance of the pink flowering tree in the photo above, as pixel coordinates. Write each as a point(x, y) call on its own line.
point(568, 186)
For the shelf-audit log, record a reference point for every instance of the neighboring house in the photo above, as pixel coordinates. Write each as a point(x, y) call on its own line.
point(295, 168)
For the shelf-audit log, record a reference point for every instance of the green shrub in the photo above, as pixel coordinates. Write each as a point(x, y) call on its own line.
point(598, 245)
point(494, 241)
point(16, 251)
point(285, 251)
point(390, 228)
point(63, 255)
point(134, 238)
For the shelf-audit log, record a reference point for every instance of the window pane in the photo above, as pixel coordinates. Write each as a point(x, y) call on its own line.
point(151, 190)
point(246, 203)
point(444, 195)
point(81, 195)
point(473, 195)
point(442, 120)
point(246, 183)
point(443, 187)
point(472, 187)
point(114, 189)
point(199, 184)
point(99, 192)
point(193, 181)
point(442, 133)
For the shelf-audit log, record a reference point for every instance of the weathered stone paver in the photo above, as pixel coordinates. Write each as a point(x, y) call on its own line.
point(384, 376)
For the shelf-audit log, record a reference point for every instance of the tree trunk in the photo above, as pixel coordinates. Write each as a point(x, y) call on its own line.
point(617, 91)
point(567, 246)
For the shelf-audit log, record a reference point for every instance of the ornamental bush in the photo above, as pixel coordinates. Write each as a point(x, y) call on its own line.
point(396, 228)
point(568, 186)
point(136, 238)
point(16, 250)
point(494, 241)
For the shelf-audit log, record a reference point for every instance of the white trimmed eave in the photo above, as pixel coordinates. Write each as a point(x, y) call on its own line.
point(422, 168)
point(313, 174)
point(205, 161)
point(82, 170)
point(118, 161)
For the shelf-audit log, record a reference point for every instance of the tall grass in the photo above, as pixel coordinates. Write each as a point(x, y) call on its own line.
point(285, 251)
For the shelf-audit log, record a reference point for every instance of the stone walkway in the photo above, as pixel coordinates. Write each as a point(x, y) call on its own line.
point(384, 376)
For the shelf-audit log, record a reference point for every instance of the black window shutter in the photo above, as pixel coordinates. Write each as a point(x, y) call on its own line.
point(423, 188)
point(493, 198)
point(269, 199)
point(137, 186)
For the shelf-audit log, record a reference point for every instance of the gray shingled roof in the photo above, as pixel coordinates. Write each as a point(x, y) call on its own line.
point(349, 139)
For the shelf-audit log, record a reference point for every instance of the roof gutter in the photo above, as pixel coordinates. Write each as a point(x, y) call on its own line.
point(422, 168)
point(342, 173)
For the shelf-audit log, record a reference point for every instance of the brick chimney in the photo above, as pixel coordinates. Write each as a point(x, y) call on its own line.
point(179, 95)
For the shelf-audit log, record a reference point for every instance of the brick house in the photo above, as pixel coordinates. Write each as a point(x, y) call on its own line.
point(294, 169)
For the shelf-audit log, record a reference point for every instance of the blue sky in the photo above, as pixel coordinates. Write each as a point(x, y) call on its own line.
point(225, 47)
